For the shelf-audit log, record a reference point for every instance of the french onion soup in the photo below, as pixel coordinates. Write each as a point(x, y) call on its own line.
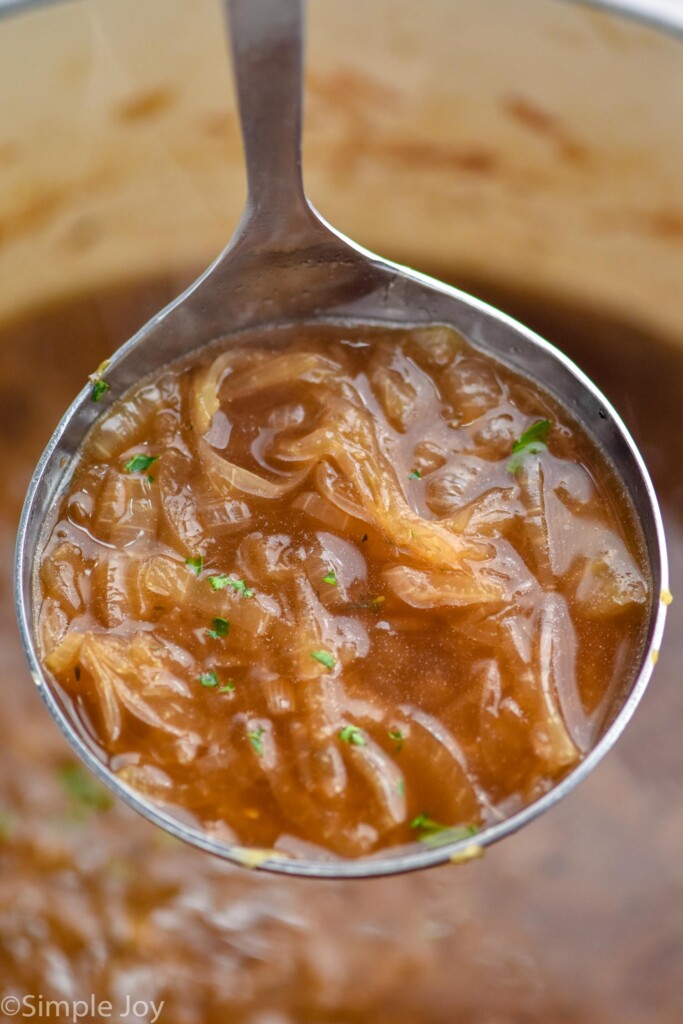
point(354, 587)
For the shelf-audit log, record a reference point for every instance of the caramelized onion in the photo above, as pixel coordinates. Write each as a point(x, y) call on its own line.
point(230, 480)
point(326, 511)
point(439, 589)
point(278, 371)
point(64, 657)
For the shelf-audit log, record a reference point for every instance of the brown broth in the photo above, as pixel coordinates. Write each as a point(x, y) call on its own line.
point(575, 920)
point(304, 589)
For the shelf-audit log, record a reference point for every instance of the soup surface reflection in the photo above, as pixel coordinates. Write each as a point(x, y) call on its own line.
point(576, 920)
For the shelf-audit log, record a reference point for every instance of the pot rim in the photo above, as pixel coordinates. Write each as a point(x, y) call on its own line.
point(657, 14)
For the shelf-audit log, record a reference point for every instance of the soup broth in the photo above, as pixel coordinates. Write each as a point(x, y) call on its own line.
point(331, 589)
point(93, 899)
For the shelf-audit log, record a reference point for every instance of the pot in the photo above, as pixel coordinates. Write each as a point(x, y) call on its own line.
point(529, 151)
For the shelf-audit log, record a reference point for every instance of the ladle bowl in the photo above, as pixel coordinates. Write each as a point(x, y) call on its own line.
point(285, 265)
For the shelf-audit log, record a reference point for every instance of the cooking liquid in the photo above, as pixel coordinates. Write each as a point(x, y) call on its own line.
point(95, 899)
point(314, 588)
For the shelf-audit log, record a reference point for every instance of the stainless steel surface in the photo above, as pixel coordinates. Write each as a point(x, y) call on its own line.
point(664, 13)
point(286, 265)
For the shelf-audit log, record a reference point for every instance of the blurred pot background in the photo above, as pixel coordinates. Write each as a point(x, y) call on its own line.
point(528, 150)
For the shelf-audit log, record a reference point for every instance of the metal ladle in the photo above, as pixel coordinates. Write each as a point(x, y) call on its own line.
point(286, 265)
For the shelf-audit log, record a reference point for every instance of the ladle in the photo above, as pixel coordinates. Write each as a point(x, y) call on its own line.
point(285, 264)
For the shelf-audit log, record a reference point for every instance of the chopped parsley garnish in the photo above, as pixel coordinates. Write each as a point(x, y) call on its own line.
point(325, 658)
point(219, 628)
point(353, 735)
point(331, 578)
point(436, 834)
point(397, 736)
point(208, 679)
point(140, 463)
point(256, 740)
point(84, 788)
point(99, 388)
point(220, 582)
point(228, 688)
point(415, 475)
point(531, 442)
point(427, 824)
point(196, 564)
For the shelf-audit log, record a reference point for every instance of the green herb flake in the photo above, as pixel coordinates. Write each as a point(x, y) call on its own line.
point(353, 735)
point(196, 563)
point(219, 629)
point(83, 788)
point(415, 475)
point(140, 463)
point(228, 688)
point(397, 736)
point(255, 738)
point(436, 834)
point(331, 578)
point(426, 824)
point(531, 442)
point(208, 679)
point(99, 388)
point(325, 658)
point(220, 582)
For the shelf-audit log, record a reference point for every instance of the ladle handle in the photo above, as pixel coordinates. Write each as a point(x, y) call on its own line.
point(267, 49)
